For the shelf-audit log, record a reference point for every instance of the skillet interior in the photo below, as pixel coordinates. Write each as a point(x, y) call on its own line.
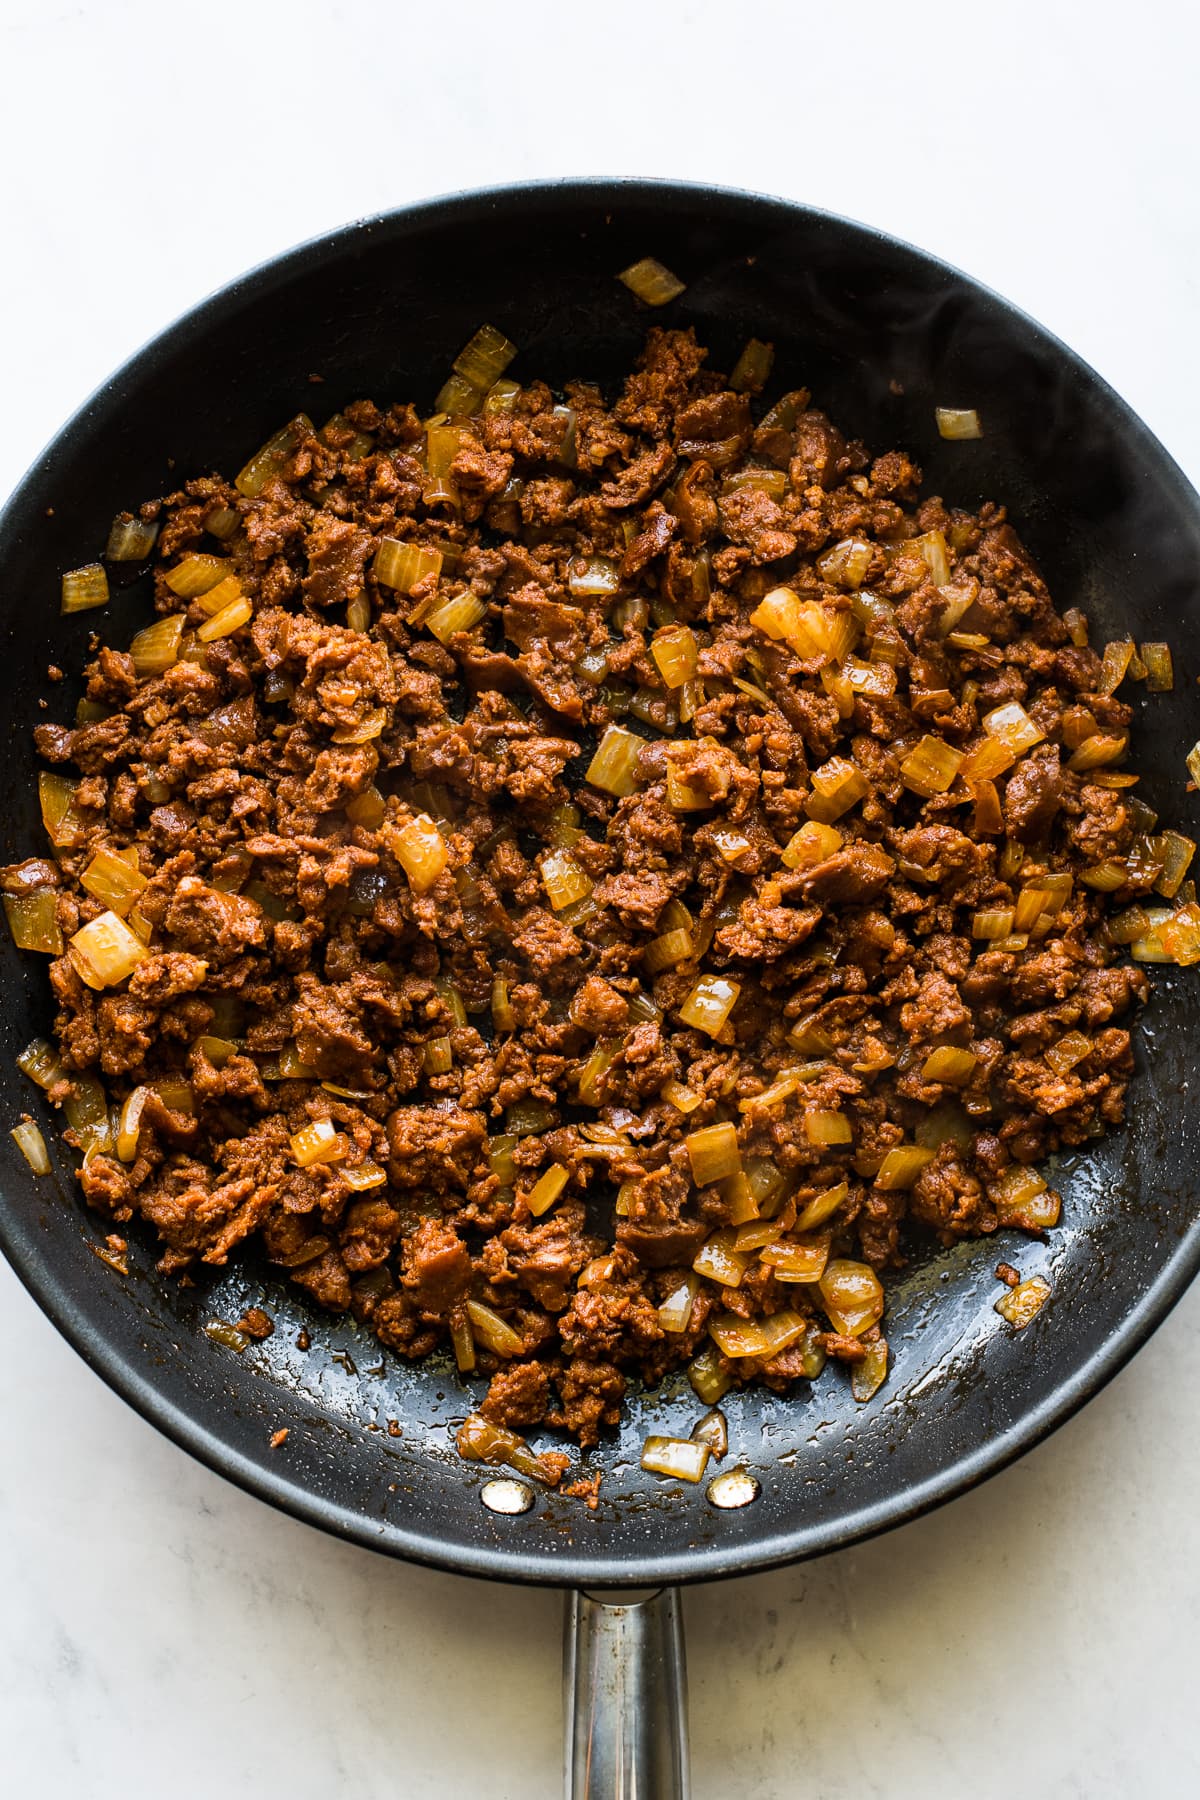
point(378, 309)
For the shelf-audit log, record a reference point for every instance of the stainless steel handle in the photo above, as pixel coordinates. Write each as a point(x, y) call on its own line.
point(625, 1697)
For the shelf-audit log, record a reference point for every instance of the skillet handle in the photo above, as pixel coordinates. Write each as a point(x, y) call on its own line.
point(625, 1697)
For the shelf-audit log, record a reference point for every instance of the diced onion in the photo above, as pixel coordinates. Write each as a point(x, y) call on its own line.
point(493, 1332)
point(838, 785)
point(130, 539)
point(1023, 1303)
point(1102, 748)
point(592, 575)
point(822, 1207)
point(478, 1440)
point(683, 1098)
point(269, 462)
point(800, 1259)
point(84, 588)
point(739, 1337)
point(930, 768)
point(869, 1375)
point(713, 1153)
point(105, 951)
point(901, 1166)
point(1176, 852)
point(439, 1056)
point(675, 1312)
point(320, 1142)
point(462, 613)
point(957, 422)
point(40, 1061)
point(130, 1123)
point(563, 879)
point(667, 950)
point(547, 1189)
point(708, 1006)
point(462, 1340)
point(113, 881)
point(651, 282)
point(590, 1081)
point(718, 1261)
point(196, 574)
point(810, 845)
point(675, 652)
point(400, 566)
point(217, 598)
point(992, 922)
point(33, 921)
point(458, 396)
point(707, 1376)
point(1160, 668)
point(852, 1296)
point(752, 368)
point(221, 522)
point(484, 359)
point(684, 1459)
point(157, 646)
point(231, 618)
point(846, 564)
point(1067, 1051)
point(1022, 1198)
point(1012, 726)
point(421, 851)
point(1118, 655)
point(29, 1141)
point(988, 759)
point(614, 766)
point(825, 1127)
point(949, 1064)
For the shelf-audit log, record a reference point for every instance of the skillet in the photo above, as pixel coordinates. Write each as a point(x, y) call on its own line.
point(881, 333)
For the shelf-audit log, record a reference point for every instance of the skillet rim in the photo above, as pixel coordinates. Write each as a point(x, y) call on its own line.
point(26, 1254)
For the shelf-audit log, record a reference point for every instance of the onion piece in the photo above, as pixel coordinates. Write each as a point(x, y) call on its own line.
point(105, 951)
point(485, 357)
point(930, 768)
point(800, 1259)
point(40, 1061)
point(1012, 726)
point(400, 566)
point(837, 786)
point(1177, 852)
point(462, 1340)
point(1063, 1055)
point(1102, 748)
point(652, 282)
point(827, 1127)
point(320, 1142)
point(1022, 1199)
point(949, 1065)
point(683, 1098)
point(708, 1006)
point(457, 397)
point(1023, 1303)
point(29, 1141)
point(84, 588)
point(33, 921)
point(197, 573)
point(811, 845)
point(822, 1207)
point(752, 369)
point(869, 1375)
point(493, 1332)
point(231, 618)
point(1118, 656)
point(478, 1440)
point(675, 1312)
point(588, 575)
point(739, 1337)
point(113, 881)
point(269, 462)
point(845, 564)
point(684, 1459)
point(130, 539)
point(708, 1376)
point(547, 1189)
point(718, 1261)
point(713, 1153)
point(852, 1296)
point(992, 922)
point(420, 849)
point(957, 422)
point(56, 796)
point(614, 766)
point(901, 1166)
point(676, 653)
point(156, 647)
point(563, 879)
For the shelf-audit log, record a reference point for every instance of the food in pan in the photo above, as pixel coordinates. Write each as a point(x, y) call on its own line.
point(585, 884)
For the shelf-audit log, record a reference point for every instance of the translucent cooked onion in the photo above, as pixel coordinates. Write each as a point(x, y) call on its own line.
point(800, 1259)
point(457, 397)
point(439, 1056)
point(87, 1112)
point(563, 879)
point(29, 1141)
point(478, 1440)
point(319, 1142)
point(957, 422)
point(1021, 1198)
point(709, 1379)
point(400, 566)
point(652, 282)
point(845, 565)
point(752, 369)
point(484, 359)
point(837, 786)
point(462, 613)
point(40, 1061)
point(1023, 1303)
point(675, 1312)
point(547, 1189)
point(129, 1125)
point(713, 1153)
point(804, 625)
point(718, 1261)
point(930, 768)
point(992, 922)
point(1011, 726)
point(683, 1098)
point(869, 1375)
point(268, 463)
point(681, 1458)
point(113, 880)
point(614, 766)
point(231, 618)
point(949, 1065)
point(1176, 852)
point(810, 845)
point(590, 1085)
point(221, 596)
point(502, 397)
point(1102, 748)
point(196, 574)
point(708, 1006)
point(675, 653)
point(130, 539)
point(105, 951)
point(421, 851)
point(1118, 656)
point(901, 1166)
point(1160, 668)
point(84, 588)
point(493, 1332)
point(33, 921)
point(739, 1337)
point(822, 1207)
point(852, 1296)
point(367, 809)
point(591, 575)
point(823, 1126)
point(156, 647)
point(1063, 1055)
point(462, 1341)
point(986, 760)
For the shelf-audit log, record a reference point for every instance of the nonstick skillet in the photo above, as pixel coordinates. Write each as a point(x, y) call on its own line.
point(881, 334)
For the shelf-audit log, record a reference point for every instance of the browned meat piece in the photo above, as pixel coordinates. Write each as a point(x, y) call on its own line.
point(1033, 795)
point(852, 876)
point(437, 1268)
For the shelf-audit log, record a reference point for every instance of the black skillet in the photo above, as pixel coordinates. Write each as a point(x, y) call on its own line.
point(881, 334)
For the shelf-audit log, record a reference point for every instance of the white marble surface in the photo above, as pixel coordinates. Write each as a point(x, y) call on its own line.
point(160, 1632)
